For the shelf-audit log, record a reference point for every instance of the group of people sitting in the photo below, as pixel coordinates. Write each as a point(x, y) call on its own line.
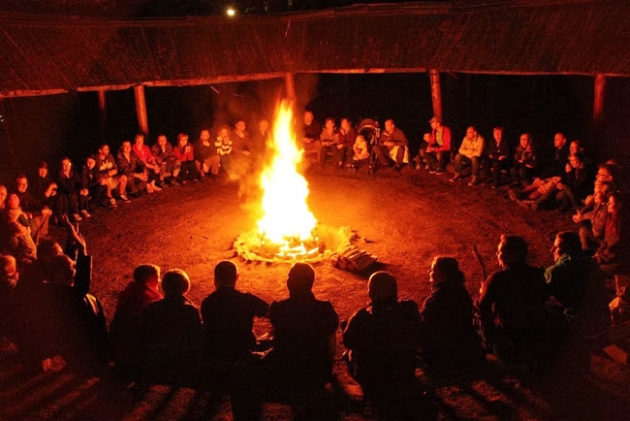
point(522, 314)
point(31, 202)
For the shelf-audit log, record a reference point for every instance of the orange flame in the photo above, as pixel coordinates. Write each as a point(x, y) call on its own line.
point(286, 216)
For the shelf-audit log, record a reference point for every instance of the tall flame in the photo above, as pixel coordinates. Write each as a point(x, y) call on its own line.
point(285, 212)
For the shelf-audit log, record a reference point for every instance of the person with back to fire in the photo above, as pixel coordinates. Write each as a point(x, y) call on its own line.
point(383, 340)
point(228, 340)
point(304, 342)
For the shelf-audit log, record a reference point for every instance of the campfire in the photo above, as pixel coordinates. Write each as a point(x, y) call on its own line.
point(287, 230)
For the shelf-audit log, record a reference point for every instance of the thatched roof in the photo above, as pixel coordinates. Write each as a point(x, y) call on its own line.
point(45, 55)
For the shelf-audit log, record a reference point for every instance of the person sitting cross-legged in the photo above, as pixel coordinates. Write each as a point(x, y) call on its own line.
point(383, 339)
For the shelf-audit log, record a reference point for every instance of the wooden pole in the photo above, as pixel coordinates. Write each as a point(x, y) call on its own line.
point(436, 92)
point(141, 109)
point(598, 100)
point(102, 113)
point(289, 86)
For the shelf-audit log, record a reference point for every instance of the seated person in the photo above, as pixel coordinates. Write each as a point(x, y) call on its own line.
point(228, 339)
point(45, 191)
point(383, 339)
point(311, 130)
point(90, 185)
point(576, 286)
point(15, 235)
point(172, 332)
point(124, 331)
point(612, 253)
point(329, 139)
point(108, 175)
point(346, 138)
point(131, 166)
point(242, 147)
point(392, 146)
point(499, 157)
point(593, 219)
point(511, 305)
point(448, 338)
point(69, 182)
point(149, 164)
point(228, 317)
point(524, 163)
point(169, 164)
point(75, 325)
point(556, 167)
point(261, 136)
point(208, 159)
point(9, 277)
point(301, 360)
point(470, 152)
point(223, 144)
point(576, 184)
point(184, 152)
point(361, 151)
point(438, 148)
point(38, 213)
point(3, 196)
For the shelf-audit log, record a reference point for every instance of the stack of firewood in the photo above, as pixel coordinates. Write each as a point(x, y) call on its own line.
point(353, 259)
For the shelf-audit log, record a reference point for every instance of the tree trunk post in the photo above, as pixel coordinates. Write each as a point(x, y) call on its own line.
point(141, 109)
point(102, 113)
point(289, 86)
point(436, 92)
point(598, 100)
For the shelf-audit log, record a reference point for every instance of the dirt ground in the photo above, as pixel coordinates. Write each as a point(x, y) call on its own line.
point(406, 219)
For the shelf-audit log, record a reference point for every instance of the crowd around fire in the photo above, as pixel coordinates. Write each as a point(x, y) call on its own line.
point(523, 314)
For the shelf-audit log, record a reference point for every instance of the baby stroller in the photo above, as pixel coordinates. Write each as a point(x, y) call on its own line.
point(370, 130)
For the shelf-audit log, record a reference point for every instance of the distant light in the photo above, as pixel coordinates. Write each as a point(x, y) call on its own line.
point(231, 12)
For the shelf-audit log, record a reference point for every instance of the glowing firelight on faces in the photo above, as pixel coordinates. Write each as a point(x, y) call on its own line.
point(285, 212)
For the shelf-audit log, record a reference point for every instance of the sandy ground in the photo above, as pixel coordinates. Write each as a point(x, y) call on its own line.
point(406, 219)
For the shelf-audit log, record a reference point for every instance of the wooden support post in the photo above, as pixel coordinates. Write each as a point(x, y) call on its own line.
point(436, 92)
point(102, 113)
point(598, 100)
point(141, 109)
point(289, 86)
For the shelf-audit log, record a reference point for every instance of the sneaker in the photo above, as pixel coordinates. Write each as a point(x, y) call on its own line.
point(112, 202)
point(473, 181)
point(433, 171)
point(85, 213)
point(175, 183)
point(456, 177)
point(76, 217)
point(124, 198)
point(156, 188)
point(149, 189)
point(439, 172)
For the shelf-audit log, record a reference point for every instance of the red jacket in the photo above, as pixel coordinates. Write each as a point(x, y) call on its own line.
point(446, 141)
